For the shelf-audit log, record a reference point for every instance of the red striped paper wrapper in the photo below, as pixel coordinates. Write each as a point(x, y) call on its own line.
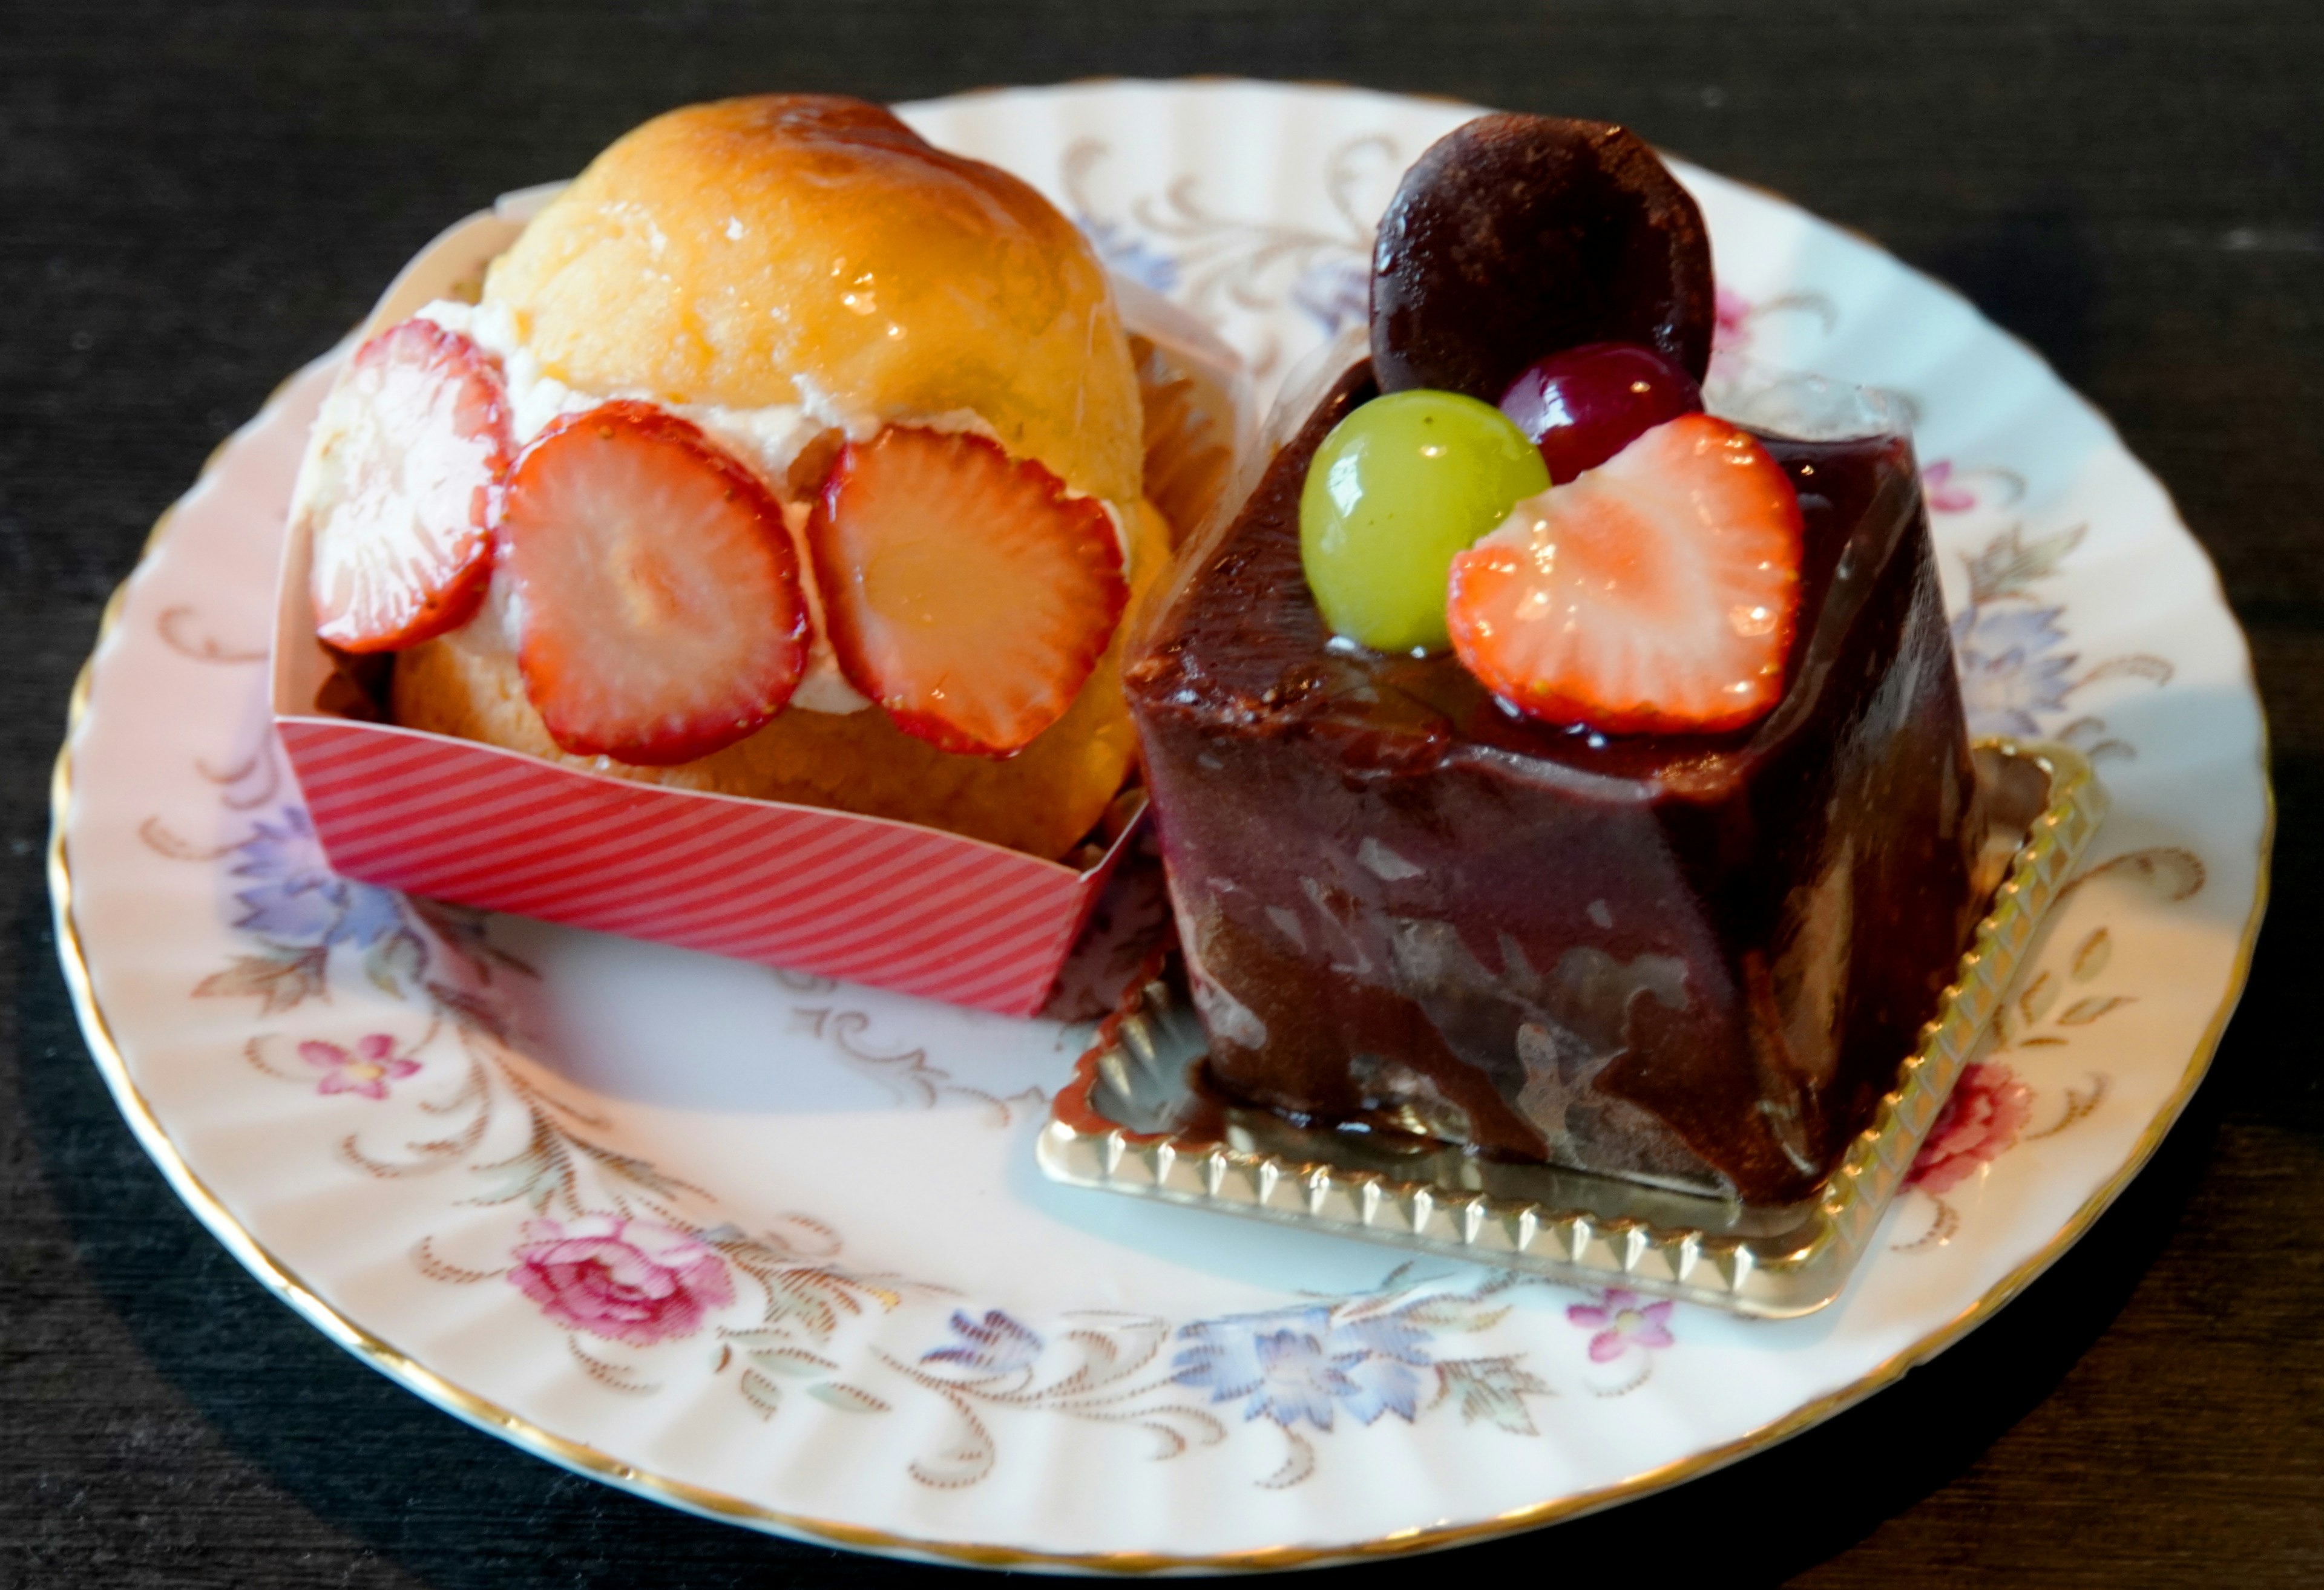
point(872, 901)
point(863, 898)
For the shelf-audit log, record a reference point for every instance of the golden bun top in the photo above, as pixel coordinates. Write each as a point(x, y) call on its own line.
point(787, 246)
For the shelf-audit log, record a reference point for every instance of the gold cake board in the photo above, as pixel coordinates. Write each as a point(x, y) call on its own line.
point(1123, 1125)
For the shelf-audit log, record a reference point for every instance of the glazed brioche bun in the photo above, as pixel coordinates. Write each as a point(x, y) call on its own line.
point(787, 247)
point(813, 250)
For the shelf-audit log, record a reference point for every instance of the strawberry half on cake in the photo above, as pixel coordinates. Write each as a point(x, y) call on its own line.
point(782, 455)
point(1544, 765)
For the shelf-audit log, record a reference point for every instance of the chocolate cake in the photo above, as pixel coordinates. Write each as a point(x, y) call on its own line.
point(1691, 960)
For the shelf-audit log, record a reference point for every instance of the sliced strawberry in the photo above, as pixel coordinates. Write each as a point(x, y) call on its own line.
point(415, 449)
point(1654, 593)
point(659, 614)
point(964, 590)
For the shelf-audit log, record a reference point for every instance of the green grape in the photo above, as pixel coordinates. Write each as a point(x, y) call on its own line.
point(1397, 489)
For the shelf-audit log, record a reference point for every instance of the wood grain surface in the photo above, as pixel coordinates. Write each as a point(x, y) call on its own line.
point(193, 200)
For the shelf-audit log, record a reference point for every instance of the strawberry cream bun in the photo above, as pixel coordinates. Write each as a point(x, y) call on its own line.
point(784, 456)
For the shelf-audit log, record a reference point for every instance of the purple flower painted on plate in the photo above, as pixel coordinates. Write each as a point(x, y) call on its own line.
point(1986, 1110)
point(1335, 293)
point(365, 1070)
point(1945, 492)
point(1125, 250)
point(2011, 666)
point(298, 899)
point(624, 1280)
point(995, 1345)
point(1308, 1363)
point(1622, 1320)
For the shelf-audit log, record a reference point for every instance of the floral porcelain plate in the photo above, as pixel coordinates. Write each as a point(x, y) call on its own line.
point(775, 1250)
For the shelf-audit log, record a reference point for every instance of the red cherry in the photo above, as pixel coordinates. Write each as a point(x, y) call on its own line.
point(1583, 405)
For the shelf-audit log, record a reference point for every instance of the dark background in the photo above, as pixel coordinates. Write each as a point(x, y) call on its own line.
point(195, 200)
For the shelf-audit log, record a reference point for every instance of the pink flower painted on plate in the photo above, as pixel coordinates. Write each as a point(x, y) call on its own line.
point(1987, 1109)
point(623, 1280)
point(1946, 494)
point(1731, 320)
point(366, 1070)
point(1622, 1320)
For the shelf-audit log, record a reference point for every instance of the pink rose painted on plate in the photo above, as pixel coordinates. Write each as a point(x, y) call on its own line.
point(366, 1070)
point(1731, 322)
point(1987, 1109)
point(1944, 491)
point(623, 1280)
point(1622, 1320)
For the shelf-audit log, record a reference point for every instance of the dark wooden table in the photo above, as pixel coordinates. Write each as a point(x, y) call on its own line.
point(194, 200)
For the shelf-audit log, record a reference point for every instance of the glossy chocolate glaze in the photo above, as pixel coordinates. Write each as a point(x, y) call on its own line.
point(1691, 960)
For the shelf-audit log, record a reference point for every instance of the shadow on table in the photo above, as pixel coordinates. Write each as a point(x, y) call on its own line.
point(456, 1508)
